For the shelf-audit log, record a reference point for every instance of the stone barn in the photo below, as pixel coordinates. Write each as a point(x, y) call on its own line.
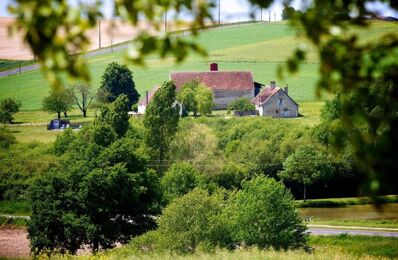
point(226, 85)
point(276, 102)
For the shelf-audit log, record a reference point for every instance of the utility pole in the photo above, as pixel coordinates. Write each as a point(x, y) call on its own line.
point(99, 34)
point(269, 15)
point(219, 12)
point(261, 14)
point(274, 17)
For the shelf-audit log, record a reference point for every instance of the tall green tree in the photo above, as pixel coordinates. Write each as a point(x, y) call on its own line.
point(161, 120)
point(306, 165)
point(288, 12)
point(58, 102)
point(8, 107)
point(117, 80)
point(116, 115)
point(83, 97)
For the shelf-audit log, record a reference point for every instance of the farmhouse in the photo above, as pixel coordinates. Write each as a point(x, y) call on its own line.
point(229, 85)
point(274, 101)
point(143, 103)
point(226, 85)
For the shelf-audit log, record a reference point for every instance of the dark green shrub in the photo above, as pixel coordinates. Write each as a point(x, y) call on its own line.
point(263, 214)
point(180, 179)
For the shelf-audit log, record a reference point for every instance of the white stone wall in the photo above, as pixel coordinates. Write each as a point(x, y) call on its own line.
point(141, 109)
point(223, 98)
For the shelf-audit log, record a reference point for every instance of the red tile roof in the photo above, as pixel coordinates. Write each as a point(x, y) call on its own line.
point(264, 95)
point(217, 80)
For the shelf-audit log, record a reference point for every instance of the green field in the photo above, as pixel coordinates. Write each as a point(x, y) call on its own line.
point(260, 48)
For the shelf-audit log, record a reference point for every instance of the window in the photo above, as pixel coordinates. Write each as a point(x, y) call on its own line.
point(280, 101)
point(277, 111)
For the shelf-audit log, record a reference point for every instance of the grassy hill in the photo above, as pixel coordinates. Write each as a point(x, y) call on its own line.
point(260, 48)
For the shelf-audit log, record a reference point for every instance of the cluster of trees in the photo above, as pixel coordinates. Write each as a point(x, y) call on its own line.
point(101, 191)
point(117, 80)
point(112, 178)
point(348, 65)
point(241, 104)
point(261, 214)
point(197, 98)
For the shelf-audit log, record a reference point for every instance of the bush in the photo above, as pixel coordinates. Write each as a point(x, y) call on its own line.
point(63, 141)
point(187, 223)
point(241, 104)
point(263, 214)
point(6, 138)
point(180, 179)
point(231, 176)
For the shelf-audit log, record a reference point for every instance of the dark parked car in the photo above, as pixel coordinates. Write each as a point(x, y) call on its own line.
point(58, 124)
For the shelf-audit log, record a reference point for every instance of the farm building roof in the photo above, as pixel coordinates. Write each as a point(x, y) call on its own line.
point(216, 80)
point(265, 93)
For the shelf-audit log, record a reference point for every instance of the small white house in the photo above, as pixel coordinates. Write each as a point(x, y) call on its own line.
point(275, 102)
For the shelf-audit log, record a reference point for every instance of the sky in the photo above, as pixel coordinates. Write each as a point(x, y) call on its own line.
point(233, 10)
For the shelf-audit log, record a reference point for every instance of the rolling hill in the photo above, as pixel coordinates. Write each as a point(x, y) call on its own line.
point(260, 48)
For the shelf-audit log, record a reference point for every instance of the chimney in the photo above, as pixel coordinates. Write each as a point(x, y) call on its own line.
point(273, 84)
point(214, 67)
point(287, 89)
point(146, 98)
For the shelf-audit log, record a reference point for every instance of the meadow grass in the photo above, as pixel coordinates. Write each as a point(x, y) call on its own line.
point(359, 246)
point(260, 48)
point(15, 207)
point(325, 247)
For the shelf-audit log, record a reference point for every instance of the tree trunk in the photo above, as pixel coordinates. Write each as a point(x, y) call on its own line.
point(65, 114)
point(305, 191)
point(59, 115)
point(84, 113)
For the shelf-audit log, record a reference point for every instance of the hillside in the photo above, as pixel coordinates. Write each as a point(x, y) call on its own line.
point(260, 48)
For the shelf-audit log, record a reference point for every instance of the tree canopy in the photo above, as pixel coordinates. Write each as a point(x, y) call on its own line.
point(82, 94)
point(8, 107)
point(306, 165)
point(196, 97)
point(58, 101)
point(101, 192)
point(348, 65)
point(161, 120)
point(117, 80)
point(240, 104)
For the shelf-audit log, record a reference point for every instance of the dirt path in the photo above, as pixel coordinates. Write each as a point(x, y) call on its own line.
point(14, 243)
